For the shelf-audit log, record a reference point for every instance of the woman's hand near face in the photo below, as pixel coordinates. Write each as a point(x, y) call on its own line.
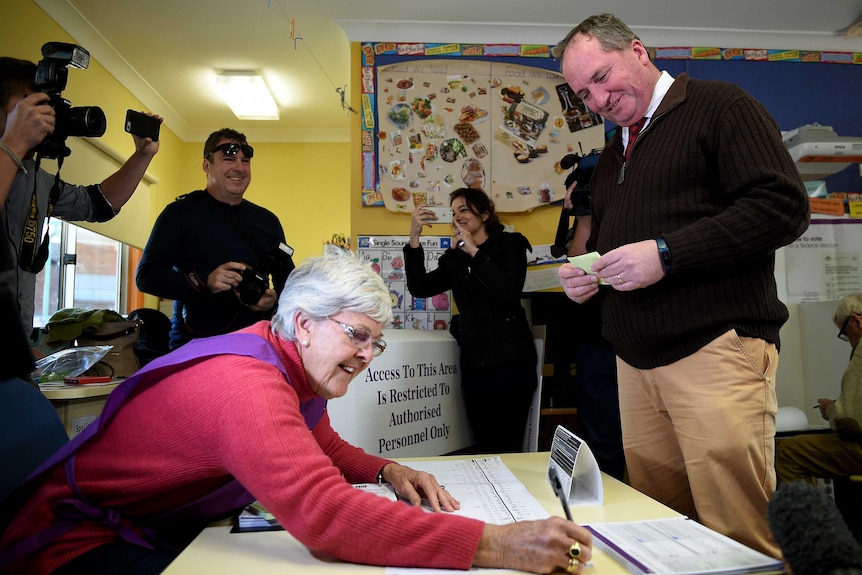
point(463, 240)
point(536, 546)
point(418, 485)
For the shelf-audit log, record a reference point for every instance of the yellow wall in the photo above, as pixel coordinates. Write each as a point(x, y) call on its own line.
point(24, 27)
point(305, 185)
point(314, 189)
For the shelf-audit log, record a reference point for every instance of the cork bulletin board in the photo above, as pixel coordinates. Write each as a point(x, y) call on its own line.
point(432, 125)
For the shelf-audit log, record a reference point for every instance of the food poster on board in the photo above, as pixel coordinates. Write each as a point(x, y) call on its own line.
point(386, 256)
point(496, 126)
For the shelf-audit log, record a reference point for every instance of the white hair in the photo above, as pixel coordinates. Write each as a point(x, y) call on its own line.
point(849, 304)
point(332, 283)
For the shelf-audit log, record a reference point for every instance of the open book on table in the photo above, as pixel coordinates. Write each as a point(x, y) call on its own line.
point(678, 546)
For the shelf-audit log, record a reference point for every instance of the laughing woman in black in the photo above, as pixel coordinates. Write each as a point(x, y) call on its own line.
point(485, 270)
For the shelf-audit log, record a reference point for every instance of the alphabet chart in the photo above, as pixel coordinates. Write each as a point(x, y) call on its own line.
point(387, 258)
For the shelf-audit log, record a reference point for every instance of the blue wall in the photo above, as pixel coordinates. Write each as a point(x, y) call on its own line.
point(795, 93)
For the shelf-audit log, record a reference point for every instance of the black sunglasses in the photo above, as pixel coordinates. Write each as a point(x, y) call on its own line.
point(231, 149)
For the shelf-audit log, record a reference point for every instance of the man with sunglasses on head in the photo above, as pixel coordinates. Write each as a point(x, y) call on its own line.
point(26, 119)
point(209, 246)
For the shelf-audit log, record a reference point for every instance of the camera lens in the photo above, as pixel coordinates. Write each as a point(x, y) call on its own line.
point(87, 121)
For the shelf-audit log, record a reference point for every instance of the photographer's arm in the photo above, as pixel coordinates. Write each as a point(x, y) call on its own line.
point(583, 227)
point(119, 186)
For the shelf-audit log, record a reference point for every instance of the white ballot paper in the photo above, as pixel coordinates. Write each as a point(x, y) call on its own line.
point(487, 490)
point(576, 467)
point(585, 261)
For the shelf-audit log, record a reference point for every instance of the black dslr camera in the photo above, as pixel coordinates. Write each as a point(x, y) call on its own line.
point(256, 281)
point(582, 171)
point(51, 75)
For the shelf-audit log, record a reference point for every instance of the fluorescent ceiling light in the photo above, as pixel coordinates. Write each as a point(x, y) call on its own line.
point(247, 95)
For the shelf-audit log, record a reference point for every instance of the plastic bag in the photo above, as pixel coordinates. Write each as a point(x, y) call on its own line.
point(70, 362)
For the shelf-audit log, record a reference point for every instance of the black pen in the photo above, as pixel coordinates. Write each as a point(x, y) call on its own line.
point(558, 490)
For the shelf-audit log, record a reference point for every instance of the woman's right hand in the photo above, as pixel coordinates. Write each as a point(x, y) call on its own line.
point(536, 546)
point(420, 217)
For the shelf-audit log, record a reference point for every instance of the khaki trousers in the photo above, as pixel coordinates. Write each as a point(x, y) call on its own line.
point(802, 457)
point(699, 435)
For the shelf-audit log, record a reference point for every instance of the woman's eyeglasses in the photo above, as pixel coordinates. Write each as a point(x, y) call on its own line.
point(231, 149)
point(360, 337)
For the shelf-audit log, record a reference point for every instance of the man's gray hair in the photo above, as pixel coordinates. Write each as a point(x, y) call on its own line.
point(332, 283)
point(849, 304)
point(611, 33)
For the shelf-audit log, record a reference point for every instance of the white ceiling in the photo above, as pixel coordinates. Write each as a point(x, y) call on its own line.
point(165, 51)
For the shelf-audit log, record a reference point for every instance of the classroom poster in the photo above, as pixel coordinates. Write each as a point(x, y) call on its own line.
point(825, 263)
point(387, 259)
point(497, 126)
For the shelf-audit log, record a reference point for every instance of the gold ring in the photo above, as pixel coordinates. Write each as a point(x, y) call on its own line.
point(573, 565)
point(575, 550)
point(620, 280)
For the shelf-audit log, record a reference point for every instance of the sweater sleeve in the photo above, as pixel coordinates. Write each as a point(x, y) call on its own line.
point(158, 273)
point(420, 282)
point(267, 447)
point(766, 202)
point(845, 412)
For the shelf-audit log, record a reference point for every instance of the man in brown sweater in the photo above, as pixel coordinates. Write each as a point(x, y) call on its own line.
point(688, 219)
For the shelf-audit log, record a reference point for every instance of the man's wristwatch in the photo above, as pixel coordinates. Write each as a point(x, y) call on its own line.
point(664, 255)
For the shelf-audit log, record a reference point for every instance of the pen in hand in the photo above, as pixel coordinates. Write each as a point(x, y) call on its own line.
point(558, 491)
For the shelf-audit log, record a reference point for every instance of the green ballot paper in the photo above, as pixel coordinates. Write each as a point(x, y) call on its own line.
point(585, 261)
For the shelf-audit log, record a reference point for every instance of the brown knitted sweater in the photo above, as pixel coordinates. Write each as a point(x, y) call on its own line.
point(711, 175)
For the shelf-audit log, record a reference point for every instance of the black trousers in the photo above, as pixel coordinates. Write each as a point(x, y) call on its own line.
point(598, 403)
point(498, 400)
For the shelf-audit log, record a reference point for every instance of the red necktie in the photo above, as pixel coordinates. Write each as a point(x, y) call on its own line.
point(634, 130)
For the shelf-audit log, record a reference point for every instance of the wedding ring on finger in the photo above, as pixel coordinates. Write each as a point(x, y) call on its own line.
point(572, 566)
point(620, 280)
point(460, 243)
point(575, 550)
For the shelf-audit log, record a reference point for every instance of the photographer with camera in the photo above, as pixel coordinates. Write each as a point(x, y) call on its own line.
point(596, 391)
point(34, 123)
point(213, 252)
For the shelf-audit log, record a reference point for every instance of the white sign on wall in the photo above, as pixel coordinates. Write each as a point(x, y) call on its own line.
point(408, 402)
point(825, 263)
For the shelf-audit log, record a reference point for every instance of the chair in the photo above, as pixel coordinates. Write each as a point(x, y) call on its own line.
point(30, 431)
point(155, 332)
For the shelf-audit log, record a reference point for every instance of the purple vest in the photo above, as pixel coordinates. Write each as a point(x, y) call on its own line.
point(216, 505)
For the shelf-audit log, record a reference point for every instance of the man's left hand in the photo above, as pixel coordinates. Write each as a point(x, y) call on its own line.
point(631, 267)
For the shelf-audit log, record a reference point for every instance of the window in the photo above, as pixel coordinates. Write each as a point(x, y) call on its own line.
point(85, 270)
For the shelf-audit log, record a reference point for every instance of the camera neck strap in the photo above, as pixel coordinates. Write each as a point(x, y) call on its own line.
point(33, 252)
